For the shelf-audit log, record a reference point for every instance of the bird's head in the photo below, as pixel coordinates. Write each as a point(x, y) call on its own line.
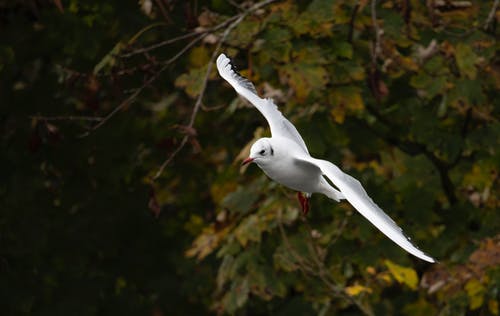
point(260, 152)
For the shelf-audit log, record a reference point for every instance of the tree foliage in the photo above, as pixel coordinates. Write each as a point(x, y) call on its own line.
point(122, 188)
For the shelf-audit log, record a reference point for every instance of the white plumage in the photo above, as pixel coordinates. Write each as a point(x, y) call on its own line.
point(285, 159)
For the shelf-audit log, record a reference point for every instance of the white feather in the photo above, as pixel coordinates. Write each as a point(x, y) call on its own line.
point(288, 170)
point(278, 124)
point(354, 192)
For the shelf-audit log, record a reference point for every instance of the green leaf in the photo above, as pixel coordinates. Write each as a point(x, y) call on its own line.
point(343, 49)
point(224, 273)
point(109, 60)
point(316, 19)
point(237, 296)
point(466, 60)
point(429, 85)
point(420, 307)
point(467, 91)
point(346, 71)
point(242, 200)
point(192, 82)
point(284, 260)
point(306, 74)
point(264, 282)
point(249, 230)
point(244, 33)
point(276, 41)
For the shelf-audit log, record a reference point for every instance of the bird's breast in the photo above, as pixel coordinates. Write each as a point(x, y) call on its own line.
point(289, 175)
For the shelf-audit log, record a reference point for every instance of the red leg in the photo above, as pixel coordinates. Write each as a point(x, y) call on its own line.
point(304, 202)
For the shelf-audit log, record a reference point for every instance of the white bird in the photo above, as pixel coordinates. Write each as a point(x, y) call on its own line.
point(285, 159)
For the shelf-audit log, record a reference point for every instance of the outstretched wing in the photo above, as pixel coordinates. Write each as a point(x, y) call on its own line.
point(279, 125)
point(354, 192)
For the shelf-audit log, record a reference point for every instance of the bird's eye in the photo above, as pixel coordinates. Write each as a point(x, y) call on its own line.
point(262, 152)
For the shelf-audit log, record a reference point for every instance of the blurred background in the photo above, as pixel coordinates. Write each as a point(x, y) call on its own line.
point(121, 189)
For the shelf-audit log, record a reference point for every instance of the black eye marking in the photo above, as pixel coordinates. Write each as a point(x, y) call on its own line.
point(262, 152)
point(272, 151)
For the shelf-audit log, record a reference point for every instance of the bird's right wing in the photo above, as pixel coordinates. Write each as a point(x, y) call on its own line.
point(278, 124)
point(354, 192)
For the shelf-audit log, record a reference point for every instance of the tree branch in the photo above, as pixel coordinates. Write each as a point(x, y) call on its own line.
point(157, 45)
point(198, 102)
point(327, 277)
point(163, 11)
point(491, 15)
point(351, 22)
point(66, 118)
point(413, 148)
point(300, 261)
point(376, 49)
point(148, 82)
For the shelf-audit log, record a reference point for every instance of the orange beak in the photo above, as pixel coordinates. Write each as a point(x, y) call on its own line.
point(247, 161)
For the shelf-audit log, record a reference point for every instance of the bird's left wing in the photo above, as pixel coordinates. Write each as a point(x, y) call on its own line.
point(354, 192)
point(278, 124)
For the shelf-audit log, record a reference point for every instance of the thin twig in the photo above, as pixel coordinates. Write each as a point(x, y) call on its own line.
point(66, 118)
point(376, 47)
point(148, 82)
point(157, 45)
point(211, 108)
point(124, 103)
point(491, 15)
point(164, 12)
point(327, 277)
point(339, 232)
point(351, 22)
point(198, 102)
point(199, 99)
point(301, 262)
point(181, 37)
point(234, 4)
point(186, 48)
point(485, 25)
point(321, 272)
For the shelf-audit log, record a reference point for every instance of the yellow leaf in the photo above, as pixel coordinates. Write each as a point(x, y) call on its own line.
point(206, 242)
point(345, 100)
point(402, 274)
point(371, 270)
point(357, 289)
point(307, 73)
point(248, 230)
point(199, 57)
point(338, 114)
point(384, 276)
point(480, 175)
point(475, 291)
point(493, 307)
point(304, 78)
point(120, 284)
point(194, 225)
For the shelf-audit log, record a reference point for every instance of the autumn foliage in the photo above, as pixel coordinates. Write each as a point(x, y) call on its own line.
point(122, 188)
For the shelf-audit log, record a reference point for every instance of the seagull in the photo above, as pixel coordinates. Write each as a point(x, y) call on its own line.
point(285, 159)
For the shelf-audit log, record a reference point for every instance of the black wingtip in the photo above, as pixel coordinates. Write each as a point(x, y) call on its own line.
point(241, 79)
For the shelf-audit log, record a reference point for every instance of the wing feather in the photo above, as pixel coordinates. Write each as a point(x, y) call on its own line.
point(278, 124)
point(354, 192)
